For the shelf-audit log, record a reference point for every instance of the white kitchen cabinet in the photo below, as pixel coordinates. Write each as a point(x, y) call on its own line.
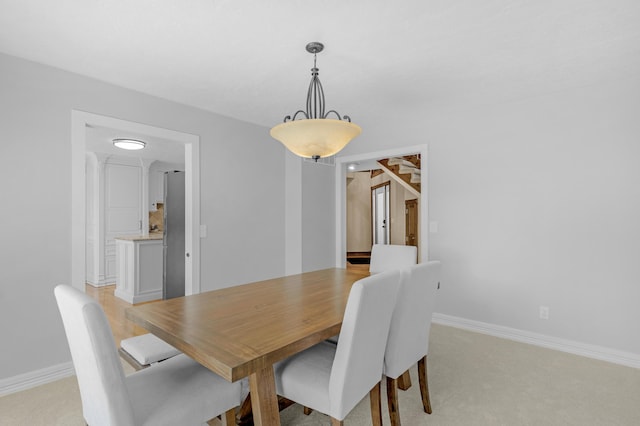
point(115, 207)
point(139, 268)
point(156, 188)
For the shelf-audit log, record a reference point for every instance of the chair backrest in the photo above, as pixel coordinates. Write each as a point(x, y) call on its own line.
point(105, 399)
point(411, 322)
point(388, 256)
point(358, 362)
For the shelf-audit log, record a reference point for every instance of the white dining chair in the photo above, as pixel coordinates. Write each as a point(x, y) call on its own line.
point(385, 257)
point(332, 379)
point(408, 340)
point(390, 256)
point(144, 350)
point(178, 391)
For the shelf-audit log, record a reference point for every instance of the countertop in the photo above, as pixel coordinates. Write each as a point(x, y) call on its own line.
point(151, 236)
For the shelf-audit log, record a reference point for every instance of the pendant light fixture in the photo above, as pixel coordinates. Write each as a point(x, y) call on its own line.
point(313, 134)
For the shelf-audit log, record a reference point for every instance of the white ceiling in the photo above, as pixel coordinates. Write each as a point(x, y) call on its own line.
point(398, 60)
point(100, 140)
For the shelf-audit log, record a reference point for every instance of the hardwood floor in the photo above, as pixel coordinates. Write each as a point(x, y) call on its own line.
point(364, 267)
point(357, 255)
point(357, 267)
point(114, 308)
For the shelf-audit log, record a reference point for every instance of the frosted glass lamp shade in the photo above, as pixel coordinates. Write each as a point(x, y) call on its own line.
point(316, 137)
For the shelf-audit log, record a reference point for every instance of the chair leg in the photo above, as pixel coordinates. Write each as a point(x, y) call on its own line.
point(229, 418)
point(376, 409)
point(424, 384)
point(404, 381)
point(392, 401)
point(335, 422)
point(307, 411)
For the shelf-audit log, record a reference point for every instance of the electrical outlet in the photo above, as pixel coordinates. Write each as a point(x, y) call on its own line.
point(544, 312)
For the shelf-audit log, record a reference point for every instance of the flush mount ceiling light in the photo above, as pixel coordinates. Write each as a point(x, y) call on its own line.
point(130, 144)
point(314, 135)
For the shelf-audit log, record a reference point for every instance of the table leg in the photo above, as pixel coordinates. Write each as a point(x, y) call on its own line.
point(264, 401)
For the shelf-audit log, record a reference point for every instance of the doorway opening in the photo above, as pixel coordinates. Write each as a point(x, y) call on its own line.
point(80, 121)
point(345, 176)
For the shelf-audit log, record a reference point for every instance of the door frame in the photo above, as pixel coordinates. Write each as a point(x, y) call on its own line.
point(407, 203)
point(79, 122)
point(341, 197)
point(387, 216)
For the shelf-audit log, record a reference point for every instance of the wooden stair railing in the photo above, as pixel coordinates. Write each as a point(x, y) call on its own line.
point(406, 168)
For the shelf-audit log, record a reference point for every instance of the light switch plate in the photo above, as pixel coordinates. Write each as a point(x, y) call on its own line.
point(203, 231)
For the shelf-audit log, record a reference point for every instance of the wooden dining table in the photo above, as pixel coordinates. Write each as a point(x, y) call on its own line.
point(242, 331)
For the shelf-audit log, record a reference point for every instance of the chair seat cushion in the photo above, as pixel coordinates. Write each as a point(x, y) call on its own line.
point(195, 393)
point(147, 349)
point(304, 377)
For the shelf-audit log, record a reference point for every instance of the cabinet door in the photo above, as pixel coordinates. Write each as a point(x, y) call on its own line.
point(123, 191)
point(123, 209)
point(156, 189)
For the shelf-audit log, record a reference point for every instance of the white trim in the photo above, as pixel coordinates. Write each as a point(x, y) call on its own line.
point(147, 297)
point(341, 195)
point(79, 121)
point(602, 353)
point(36, 378)
point(192, 206)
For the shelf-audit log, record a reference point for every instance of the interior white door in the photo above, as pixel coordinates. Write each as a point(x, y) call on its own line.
point(123, 199)
point(380, 214)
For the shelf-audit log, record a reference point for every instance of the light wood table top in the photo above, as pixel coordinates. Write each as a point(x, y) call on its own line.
point(242, 331)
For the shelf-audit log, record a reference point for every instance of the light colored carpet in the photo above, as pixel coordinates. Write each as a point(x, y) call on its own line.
point(474, 379)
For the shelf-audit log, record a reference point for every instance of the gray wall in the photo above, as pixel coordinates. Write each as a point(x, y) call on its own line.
point(243, 211)
point(538, 203)
point(318, 216)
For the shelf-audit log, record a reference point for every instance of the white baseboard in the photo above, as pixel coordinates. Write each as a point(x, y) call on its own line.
point(102, 283)
point(36, 378)
point(577, 348)
point(147, 297)
point(46, 375)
